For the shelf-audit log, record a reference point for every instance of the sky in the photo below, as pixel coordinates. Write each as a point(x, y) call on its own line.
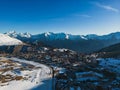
point(69, 16)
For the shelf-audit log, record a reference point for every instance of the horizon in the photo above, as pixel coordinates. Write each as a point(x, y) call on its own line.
point(61, 32)
point(77, 17)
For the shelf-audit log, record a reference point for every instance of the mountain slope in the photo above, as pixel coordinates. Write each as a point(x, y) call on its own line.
point(112, 51)
point(115, 35)
point(81, 43)
point(112, 48)
point(7, 40)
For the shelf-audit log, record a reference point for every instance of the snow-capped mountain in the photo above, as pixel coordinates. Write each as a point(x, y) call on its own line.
point(7, 40)
point(58, 36)
point(46, 36)
point(17, 35)
point(63, 36)
point(80, 43)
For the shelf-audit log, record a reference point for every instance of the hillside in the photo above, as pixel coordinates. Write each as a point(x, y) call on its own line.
point(112, 48)
point(18, 74)
point(7, 40)
point(112, 51)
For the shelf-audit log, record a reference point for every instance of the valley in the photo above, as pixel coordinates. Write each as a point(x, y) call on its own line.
point(40, 65)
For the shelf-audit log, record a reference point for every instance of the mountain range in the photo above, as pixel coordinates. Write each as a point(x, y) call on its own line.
point(64, 36)
point(80, 43)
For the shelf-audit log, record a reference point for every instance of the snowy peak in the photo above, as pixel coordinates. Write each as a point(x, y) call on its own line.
point(26, 35)
point(47, 34)
point(52, 36)
point(55, 35)
point(12, 34)
point(63, 36)
point(17, 35)
point(7, 40)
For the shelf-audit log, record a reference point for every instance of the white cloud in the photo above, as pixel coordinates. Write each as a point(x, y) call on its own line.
point(107, 7)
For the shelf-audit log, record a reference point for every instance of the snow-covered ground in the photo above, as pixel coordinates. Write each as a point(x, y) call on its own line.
point(110, 64)
point(92, 76)
point(36, 78)
point(7, 40)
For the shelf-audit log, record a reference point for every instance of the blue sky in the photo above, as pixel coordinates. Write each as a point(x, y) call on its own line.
point(70, 16)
